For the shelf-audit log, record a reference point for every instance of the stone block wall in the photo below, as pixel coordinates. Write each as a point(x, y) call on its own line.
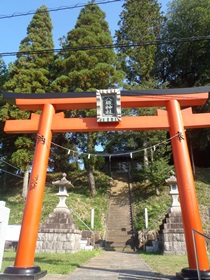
point(58, 241)
point(58, 234)
point(171, 235)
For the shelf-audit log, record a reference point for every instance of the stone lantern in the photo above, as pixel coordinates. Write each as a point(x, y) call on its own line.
point(62, 194)
point(174, 192)
point(59, 232)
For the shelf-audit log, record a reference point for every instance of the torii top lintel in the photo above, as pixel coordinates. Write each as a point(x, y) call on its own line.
point(129, 99)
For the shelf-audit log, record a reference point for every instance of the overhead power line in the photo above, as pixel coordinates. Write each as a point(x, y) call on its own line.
point(9, 164)
point(5, 171)
point(111, 46)
point(61, 8)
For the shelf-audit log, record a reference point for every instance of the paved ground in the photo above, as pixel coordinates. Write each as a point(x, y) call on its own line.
point(112, 266)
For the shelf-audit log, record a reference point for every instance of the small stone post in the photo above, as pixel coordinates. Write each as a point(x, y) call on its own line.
point(4, 219)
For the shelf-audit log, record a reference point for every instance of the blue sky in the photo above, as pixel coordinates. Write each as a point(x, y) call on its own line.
point(14, 29)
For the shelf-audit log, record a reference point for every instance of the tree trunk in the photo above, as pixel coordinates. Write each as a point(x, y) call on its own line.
point(25, 185)
point(146, 160)
point(89, 166)
point(91, 181)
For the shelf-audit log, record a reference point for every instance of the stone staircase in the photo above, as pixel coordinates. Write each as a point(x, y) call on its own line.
point(119, 225)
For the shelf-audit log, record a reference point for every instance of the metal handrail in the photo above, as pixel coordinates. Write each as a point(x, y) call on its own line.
point(196, 252)
point(155, 221)
point(131, 207)
point(106, 220)
point(84, 225)
point(132, 216)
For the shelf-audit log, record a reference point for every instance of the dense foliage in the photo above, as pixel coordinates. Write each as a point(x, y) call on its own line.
point(140, 22)
point(185, 63)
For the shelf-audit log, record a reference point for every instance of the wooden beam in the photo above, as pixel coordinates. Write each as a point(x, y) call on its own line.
point(62, 124)
point(197, 99)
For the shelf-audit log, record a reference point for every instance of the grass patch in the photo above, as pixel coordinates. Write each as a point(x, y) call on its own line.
point(55, 263)
point(144, 196)
point(79, 200)
point(165, 264)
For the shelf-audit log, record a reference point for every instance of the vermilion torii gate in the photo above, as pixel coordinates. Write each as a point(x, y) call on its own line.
point(173, 119)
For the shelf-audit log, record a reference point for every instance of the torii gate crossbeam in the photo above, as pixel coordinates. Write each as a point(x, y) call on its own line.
point(173, 119)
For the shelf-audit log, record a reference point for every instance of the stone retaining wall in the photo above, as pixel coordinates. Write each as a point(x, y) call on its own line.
point(58, 241)
point(171, 235)
point(58, 234)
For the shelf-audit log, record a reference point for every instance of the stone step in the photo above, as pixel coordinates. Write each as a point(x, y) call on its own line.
point(118, 233)
point(173, 230)
point(119, 207)
point(118, 241)
point(174, 214)
point(172, 237)
point(175, 219)
point(119, 227)
point(115, 221)
point(119, 238)
point(59, 220)
point(119, 200)
point(111, 244)
point(173, 226)
point(119, 214)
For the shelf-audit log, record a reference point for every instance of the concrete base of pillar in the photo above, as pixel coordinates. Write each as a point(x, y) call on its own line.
point(191, 274)
point(22, 273)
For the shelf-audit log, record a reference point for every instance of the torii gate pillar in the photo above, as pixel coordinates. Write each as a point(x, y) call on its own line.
point(188, 199)
point(24, 262)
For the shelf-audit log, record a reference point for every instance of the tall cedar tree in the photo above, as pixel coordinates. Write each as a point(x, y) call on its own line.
point(30, 73)
point(93, 68)
point(139, 25)
point(140, 22)
point(185, 64)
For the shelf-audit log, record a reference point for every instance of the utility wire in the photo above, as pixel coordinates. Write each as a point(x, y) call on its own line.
point(10, 173)
point(61, 8)
point(10, 164)
point(111, 46)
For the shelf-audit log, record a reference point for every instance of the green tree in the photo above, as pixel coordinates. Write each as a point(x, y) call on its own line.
point(88, 67)
point(22, 158)
point(30, 73)
point(61, 158)
point(3, 78)
point(3, 73)
point(140, 22)
point(185, 63)
point(93, 68)
point(157, 172)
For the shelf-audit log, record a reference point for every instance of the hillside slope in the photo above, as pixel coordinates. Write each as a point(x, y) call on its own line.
point(81, 202)
point(144, 197)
